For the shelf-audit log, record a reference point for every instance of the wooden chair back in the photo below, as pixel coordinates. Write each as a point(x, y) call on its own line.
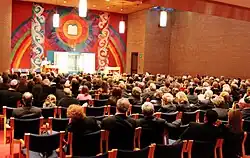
point(104, 135)
point(218, 146)
point(137, 138)
point(41, 143)
point(243, 145)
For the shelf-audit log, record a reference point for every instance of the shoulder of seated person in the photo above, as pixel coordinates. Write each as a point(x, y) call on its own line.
point(194, 124)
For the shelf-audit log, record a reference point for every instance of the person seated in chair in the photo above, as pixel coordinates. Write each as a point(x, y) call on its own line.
point(192, 97)
point(135, 98)
point(207, 131)
point(219, 103)
point(120, 126)
point(152, 127)
point(167, 105)
point(10, 97)
point(27, 111)
point(79, 122)
point(68, 99)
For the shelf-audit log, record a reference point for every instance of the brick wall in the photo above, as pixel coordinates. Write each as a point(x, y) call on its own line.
point(205, 44)
point(157, 44)
point(136, 38)
point(192, 43)
point(5, 31)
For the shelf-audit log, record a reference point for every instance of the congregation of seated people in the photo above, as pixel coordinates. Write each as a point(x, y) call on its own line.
point(167, 110)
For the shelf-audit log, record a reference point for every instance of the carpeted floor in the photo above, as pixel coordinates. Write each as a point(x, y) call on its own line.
point(5, 149)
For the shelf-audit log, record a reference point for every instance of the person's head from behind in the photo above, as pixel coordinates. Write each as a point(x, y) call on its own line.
point(191, 90)
point(5, 79)
point(235, 120)
point(181, 97)
point(211, 117)
point(67, 92)
point(167, 83)
point(158, 95)
point(136, 92)
point(117, 92)
point(225, 95)
point(75, 112)
point(147, 109)
point(14, 84)
point(218, 101)
point(167, 98)
point(51, 98)
point(85, 90)
point(208, 94)
point(122, 105)
point(152, 87)
point(27, 99)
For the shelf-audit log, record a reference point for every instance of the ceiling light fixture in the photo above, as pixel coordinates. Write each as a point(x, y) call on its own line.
point(163, 18)
point(83, 8)
point(56, 19)
point(122, 24)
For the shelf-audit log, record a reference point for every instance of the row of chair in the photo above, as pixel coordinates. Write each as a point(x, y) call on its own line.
point(42, 144)
point(18, 127)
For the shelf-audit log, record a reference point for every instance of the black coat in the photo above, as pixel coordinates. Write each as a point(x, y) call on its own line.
point(121, 130)
point(10, 98)
point(152, 130)
point(201, 132)
point(27, 112)
point(67, 101)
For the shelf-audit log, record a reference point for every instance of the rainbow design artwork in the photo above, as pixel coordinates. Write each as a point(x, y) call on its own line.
point(37, 34)
point(91, 34)
point(103, 41)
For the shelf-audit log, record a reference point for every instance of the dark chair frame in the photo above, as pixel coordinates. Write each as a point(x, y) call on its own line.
point(27, 144)
point(19, 141)
point(104, 138)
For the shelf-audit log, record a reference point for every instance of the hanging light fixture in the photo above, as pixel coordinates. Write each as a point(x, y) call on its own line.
point(163, 18)
point(122, 24)
point(122, 27)
point(56, 19)
point(83, 8)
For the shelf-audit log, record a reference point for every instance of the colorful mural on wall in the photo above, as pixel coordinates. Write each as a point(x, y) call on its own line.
point(74, 34)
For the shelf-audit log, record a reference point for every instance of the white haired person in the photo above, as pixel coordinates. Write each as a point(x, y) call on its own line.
point(149, 94)
point(206, 102)
point(135, 98)
point(121, 127)
point(152, 127)
point(167, 105)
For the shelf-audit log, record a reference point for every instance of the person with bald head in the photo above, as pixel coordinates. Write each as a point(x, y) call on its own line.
point(27, 111)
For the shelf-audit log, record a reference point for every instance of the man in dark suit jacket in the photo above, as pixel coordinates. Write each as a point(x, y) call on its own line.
point(27, 111)
point(68, 99)
point(5, 84)
point(37, 91)
point(121, 127)
point(152, 128)
point(10, 97)
point(203, 132)
point(192, 98)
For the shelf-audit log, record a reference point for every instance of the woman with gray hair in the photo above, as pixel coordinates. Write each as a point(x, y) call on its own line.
point(135, 98)
point(206, 102)
point(167, 105)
